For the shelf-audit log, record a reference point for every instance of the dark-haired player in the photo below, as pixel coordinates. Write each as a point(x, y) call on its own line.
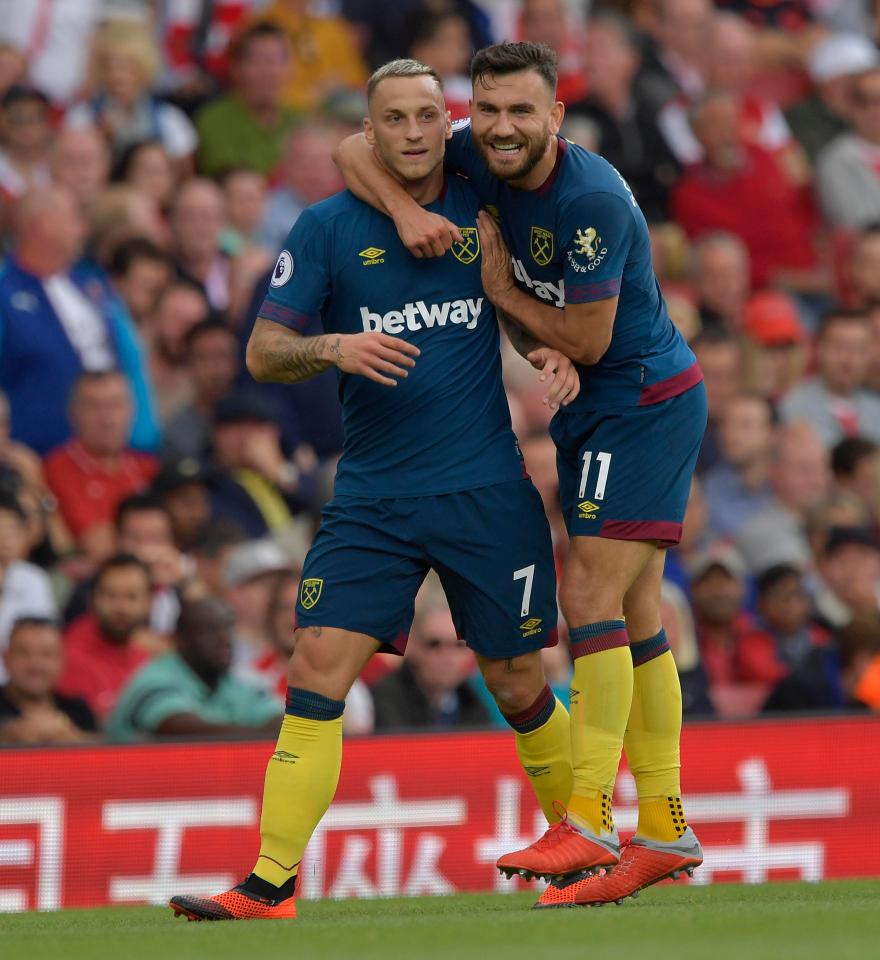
point(430, 477)
point(579, 278)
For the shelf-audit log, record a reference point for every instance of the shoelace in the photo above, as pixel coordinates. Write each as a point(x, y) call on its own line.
point(554, 833)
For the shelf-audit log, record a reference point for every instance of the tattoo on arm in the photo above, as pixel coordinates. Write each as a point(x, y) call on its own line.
point(522, 342)
point(284, 356)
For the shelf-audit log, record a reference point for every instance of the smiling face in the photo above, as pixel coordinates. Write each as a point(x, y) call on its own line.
point(514, 117)
point(408, 126)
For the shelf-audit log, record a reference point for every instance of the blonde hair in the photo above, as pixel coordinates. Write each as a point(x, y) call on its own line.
point(126, 38)
point(401, 68)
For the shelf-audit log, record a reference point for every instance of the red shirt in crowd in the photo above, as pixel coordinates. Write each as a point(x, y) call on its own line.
point(87, 492)
point(95, 668)
point(775, 218)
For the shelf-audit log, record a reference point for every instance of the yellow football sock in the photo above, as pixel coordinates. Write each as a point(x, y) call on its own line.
point(545, 754)
point(652, 740)
point(301, 779)
point(600, 703)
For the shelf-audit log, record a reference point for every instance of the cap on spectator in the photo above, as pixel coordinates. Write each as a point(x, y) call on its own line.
point(242, 406)
point(722, 555)
point(179, 474)
point(771, 319)
point(848, 536)
point(841, 55)
point(253, 559)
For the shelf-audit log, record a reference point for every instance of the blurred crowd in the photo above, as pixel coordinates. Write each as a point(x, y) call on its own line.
point(156, 504)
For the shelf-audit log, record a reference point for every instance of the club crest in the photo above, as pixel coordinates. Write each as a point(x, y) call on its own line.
point(467, 251)
point(541, 246)
point(310, 592)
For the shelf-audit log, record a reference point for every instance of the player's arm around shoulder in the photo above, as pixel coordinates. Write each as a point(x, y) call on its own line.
point(279, 355)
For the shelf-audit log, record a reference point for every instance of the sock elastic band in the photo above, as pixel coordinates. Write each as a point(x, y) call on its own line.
point(312, 706)
point(649, 649)
point(534, 716)
point(596, 637)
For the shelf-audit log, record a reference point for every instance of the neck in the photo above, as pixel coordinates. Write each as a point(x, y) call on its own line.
point(37, 259)
point(542, 169)
point(105, 458)
point(209, 675)
point(266, 113)
point(616, 102)
point(425, 191)
point(27, 701)
point(754, 474)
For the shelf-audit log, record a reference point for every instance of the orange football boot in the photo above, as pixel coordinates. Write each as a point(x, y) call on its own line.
point(642, 864)
point(562, 850)
point(235, 904)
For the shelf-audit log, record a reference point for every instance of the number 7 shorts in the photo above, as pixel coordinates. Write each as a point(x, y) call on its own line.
point(490, 547)
point(626, 473)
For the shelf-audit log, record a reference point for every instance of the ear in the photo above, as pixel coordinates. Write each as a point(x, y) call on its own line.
point(369, 132)
point(448, 133)
point(557, 113)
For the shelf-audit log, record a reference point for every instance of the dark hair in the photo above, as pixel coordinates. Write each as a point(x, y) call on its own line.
point(22, 93)
point(9, 502)
point(121, 561)
point(34, 622)
point(137, 503)
point(713, 337)
point(501, 59)
point(849, 453)
point(774, 575)
point(122, 167)
point(132, 249)
point(211, 324)
point(839, 316)
point(238, 48)
point(218, 535)
point(423, 25)
point(94, 376)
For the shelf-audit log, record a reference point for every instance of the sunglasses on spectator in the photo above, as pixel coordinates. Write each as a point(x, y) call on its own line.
point(436, 643)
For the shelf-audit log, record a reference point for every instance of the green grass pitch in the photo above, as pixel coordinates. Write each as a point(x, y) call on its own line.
point(839, 920)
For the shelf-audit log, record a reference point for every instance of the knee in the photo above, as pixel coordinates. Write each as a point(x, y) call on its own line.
point(514, 690)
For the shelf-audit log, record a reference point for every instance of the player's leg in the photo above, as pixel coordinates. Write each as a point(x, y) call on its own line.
point(356, 596)
point(500, 579)
point(540, 724)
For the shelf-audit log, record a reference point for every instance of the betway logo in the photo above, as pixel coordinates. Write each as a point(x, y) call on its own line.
point(554, 292)
point(420, 315)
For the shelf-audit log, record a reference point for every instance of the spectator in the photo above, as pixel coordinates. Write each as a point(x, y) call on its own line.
point(94, 471)
point(31, 711)
point(255, 485)
point(836, 401)
point(306, 175)
point(211, 553)
point(105, 647)
point(249, 575)
point(850, 577)
point(25, 590)
point(13, 66)
point(57, 319)
point(191, 691)
point(80, 161)
point(119, 213)
point(774, 345)
point(181, 306)
point(245, 129)
point(675, 61)
point(539, 455)
point(182, 488)
point(269, 669)
point(833, 65)
point(855, 463)
point(846, 170)
point(720, 359)
point(719, 274)
point(831, 676)
point(197, 215)
point(25, 135)
point(211, 365)
point(443, 41)
point(429, 690)
point(800, 475)
point(836, 509)
point(626, 133)
point(125, 64)
point(741, 188)
point(785, 30)
point(56, 40)
point(738, 487)
point(873, 379)
point(325, 55)
point(146, 168)
point(140, 272)
point(866, 267)
point(552, 22)
point(244, 192)
point(718, 590)
point(784, 636)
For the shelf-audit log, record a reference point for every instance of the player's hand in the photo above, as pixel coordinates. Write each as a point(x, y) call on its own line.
point(496, 268)
point(425, 234)
point(560, 375)
point(376, 356)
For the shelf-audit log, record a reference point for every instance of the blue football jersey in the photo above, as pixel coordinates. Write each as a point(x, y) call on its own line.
point(445, 427)
point(581, 237)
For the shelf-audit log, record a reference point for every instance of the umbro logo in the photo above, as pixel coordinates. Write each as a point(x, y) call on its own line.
point(536, 771)
point(284, 756)
point(372, 255)
point(588, 510)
